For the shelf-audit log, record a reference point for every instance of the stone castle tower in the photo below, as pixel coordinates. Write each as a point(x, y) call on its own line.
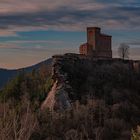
point(98, 44)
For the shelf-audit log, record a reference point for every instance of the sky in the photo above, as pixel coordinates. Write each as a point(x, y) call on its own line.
point(34, 30)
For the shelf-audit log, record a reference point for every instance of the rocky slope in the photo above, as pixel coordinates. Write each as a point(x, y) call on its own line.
point(76, 78)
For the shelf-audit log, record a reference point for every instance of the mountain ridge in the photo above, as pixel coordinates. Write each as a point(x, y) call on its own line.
point(7, 74)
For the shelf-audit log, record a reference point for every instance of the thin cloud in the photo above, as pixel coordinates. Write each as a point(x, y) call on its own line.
point(19, 15)
point(32, 44)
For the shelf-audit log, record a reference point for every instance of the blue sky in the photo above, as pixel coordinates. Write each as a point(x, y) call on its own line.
point(34, 30)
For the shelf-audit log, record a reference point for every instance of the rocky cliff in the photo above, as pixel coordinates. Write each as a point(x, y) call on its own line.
point(76, 77)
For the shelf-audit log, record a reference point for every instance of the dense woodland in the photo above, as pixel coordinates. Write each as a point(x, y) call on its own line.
point(105, 104)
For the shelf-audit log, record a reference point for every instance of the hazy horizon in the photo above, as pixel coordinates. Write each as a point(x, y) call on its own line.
point(32, 30)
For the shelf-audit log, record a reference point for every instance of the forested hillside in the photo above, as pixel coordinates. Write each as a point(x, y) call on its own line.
point(105, 104)
point(7, 75)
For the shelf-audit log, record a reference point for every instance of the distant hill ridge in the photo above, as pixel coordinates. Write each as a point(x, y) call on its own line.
point(6, 75)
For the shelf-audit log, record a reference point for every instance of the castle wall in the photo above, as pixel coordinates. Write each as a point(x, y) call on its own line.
point(92, 35)
point(98, 45)
point(104, 46)
point(104, 43)
point(83, 49)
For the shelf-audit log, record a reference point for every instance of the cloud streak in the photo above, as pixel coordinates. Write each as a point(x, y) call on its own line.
point(19, 15)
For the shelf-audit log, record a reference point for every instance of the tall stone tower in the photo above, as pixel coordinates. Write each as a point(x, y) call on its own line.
point(92, 35)
point(98, 45)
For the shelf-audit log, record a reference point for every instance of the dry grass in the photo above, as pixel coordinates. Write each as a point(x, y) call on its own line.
point(16, 123)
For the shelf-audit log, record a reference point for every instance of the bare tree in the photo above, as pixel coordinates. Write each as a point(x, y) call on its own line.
point(123, 51)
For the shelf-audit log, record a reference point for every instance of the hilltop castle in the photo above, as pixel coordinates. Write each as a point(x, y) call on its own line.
point(98, 45)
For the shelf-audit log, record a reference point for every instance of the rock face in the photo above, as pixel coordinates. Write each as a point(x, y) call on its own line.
point(50, 100)
point(58, 96)
point(70, 71)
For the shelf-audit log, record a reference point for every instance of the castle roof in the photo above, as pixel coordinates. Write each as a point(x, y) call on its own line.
point(93, 28)
point(106, 35)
